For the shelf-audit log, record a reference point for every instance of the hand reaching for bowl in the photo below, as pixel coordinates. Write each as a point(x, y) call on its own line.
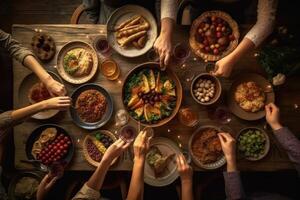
point(115, 150)
point(60, 103)
point(55, 88)
point(141, 146)
point(272, 116)
point(228, 147)
point(223, 67)
point(184, 169)
point(45, 186)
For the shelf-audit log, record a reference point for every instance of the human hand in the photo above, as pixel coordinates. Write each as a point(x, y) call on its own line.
point(184, 169)
point(272, 116)
point(115, 150)
point(45, 186)
point(163, 46)
point(223, 67)
point(228, 146)
point(54, 87)
point(141, 146)
point(60, 103)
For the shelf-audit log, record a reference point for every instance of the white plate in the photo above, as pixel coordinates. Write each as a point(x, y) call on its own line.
point(122, 14)
point(167, 147)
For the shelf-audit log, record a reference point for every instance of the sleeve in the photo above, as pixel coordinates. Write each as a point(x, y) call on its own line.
point(168, 9)
point(92, 10)
point(87, 193)
point(291, 144)
point(266, 12)
point(14, 47)
point(233, 186)
point(6, 122)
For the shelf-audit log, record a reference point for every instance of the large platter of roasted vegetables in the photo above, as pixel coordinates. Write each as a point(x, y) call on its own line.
point(151, 96)
point(131, 30)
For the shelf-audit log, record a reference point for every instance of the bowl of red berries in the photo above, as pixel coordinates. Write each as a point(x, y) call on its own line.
point(213, 35)
point(50, 144)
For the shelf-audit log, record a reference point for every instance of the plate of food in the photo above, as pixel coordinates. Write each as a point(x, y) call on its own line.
point(95, 145)
point(213, 35)
point(24, 186)
point(160, 166)
point(131, 30)
point(32, 91)
point(248, 95)
point(151, 96)
point(92, 106)
point(253, 143)
point(49, 144)
point(206, 149)
point(77, 62)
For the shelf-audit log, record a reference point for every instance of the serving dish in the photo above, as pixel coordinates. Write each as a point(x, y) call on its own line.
point(96, 116)
point(77, 62)
point(253, 142)
point(50, 143)
point(25, 87)
point(95, 144)
point(209, 148)
point(206, 89)
point(120, 16)
point(213, 35)
point(18, 177)
point(150, 96)
point(266, 88)
point(169, 174)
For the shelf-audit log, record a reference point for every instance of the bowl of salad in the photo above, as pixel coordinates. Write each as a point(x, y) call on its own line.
point(253, 143)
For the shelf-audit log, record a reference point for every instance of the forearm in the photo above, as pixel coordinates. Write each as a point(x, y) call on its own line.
point(242, 49)
point(27, 111)
point(136, 188)
point(231, 164)
point(31, 63)
point(166, 27)
point(187, 190)
point(96, 180)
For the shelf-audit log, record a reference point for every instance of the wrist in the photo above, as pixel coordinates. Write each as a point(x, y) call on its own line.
point(231, 166)
point(187, 180)
point(139, 159)
point(276, 126)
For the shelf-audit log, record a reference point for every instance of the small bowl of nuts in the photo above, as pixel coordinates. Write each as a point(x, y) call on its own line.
point(206, 89)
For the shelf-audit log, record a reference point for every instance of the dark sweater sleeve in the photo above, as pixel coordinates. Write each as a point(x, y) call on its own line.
point(233, 186)
point(291, 144)
point(92, 10)
point(14, 47)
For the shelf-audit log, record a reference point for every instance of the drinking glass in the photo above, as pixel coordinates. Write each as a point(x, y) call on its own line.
point(102, 46)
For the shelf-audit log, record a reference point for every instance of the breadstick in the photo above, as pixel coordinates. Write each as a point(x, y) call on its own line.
point(133, 31)
point(134, 22)
point(142, 41)
point(123, 24)
point(133, 37)
point(128, 27)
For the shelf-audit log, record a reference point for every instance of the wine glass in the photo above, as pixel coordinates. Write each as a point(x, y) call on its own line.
point(181, 53)
point(121, 118)
point(188, 117)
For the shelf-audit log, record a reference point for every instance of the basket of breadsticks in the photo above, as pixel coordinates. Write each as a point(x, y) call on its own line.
point(131, 30)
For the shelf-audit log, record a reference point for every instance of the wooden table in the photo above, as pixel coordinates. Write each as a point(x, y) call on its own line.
point(286, 97)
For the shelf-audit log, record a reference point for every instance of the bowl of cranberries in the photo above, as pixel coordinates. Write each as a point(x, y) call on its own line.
point(213, 35)
point(50, 144)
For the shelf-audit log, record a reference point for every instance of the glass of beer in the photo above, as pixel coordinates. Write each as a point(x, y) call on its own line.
point(110, 69)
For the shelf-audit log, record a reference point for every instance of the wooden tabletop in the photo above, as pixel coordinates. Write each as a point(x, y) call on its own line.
point(287, 97)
